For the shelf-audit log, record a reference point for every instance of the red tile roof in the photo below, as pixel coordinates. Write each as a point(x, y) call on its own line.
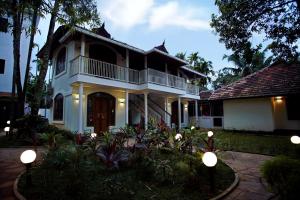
point(204, 95)
point(275, 80)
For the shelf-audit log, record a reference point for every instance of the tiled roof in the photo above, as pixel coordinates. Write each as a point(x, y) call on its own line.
point(276, 80)
point(204, 95)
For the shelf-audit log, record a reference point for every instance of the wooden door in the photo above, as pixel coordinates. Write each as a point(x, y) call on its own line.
point(100, 115)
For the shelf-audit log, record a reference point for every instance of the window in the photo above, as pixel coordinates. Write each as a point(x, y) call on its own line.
point(58, 107)
point(2, 66)
point(293, 107)
point(60, 61)
point(3, 24)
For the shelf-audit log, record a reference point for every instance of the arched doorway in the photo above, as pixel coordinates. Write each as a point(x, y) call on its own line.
point(174, 118)
point(102, 53)
point(101, 111)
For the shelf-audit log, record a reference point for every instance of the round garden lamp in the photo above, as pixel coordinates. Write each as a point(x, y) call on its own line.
point(93, 135)
point(6, 130)
point(192, 127)
point(8, 122)
point(210, 133)
point(27, 158)
point(178, 136)
point(210, 160)
point(210, 141)
point(295, 139)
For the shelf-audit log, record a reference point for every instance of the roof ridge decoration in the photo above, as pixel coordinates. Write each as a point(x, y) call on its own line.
point(162, 47)
point(102, 31)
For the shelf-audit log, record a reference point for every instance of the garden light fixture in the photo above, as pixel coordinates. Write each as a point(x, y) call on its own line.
point(6, 130)
point(93, 135)
point(209, 159)
point(8, 122)
point(28, 157)
point(178, 136)
point(210, 133)
point(192, 127)
point(295, 139)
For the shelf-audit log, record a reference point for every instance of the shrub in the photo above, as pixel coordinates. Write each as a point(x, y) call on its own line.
point(29, 124)
point(283, 175)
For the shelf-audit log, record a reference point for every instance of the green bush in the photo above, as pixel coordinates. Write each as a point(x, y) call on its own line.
point(29, 124)
point(283, 175)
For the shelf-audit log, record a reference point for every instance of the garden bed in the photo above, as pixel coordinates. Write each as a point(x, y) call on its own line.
point(171, 178)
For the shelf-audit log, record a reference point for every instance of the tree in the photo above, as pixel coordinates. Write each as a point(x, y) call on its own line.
point(70, 13)
point(278, 20)
point(199, 64)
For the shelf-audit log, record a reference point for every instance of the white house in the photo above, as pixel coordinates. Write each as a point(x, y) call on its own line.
point(101, 84)
point(267, 100)
point(6, 64)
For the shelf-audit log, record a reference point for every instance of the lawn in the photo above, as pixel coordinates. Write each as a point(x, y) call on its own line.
point(255, 143)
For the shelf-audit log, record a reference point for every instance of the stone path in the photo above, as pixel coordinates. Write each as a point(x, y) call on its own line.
point(10, 168)
point(248, 168)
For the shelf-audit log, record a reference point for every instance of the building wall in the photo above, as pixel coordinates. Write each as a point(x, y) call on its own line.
point(249, 114)
point(280, 116)
point(6, 53)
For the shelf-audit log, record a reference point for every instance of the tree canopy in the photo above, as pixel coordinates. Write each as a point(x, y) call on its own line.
point(279, 21)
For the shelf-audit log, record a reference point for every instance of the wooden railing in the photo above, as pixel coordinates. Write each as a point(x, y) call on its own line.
point(92, 67)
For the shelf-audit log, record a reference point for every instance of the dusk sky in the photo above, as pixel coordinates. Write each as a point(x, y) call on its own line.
point(183, 24)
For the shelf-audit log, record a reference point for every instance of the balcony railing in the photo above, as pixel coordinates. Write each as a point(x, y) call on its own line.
point(92, 67)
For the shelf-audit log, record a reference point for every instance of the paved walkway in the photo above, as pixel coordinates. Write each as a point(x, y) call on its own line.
point(248, 168)
point(10, 168)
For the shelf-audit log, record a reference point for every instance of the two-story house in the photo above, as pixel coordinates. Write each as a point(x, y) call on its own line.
point(100, 83)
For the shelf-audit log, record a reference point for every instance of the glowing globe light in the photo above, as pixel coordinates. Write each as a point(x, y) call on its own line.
point(93, 135)
point(6, 129)
point(210, 133)
point(209, 159)
point(28, 156)
point(8, 122)
point(295, 139)
point(192, 127)
point(178, 136)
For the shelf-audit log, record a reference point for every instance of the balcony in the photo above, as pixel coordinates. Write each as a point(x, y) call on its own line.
point(92, 67)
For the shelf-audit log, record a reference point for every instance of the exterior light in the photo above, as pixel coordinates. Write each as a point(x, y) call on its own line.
point(192, 127)
point(93, 135)
point(185, 106)
point(210, 133)
point(278, 99)
point(8, 122)
point(27, 158)
point(209, 159)
point(122, 101)
point(178, 136)
point(295, 139)
point(6, 129)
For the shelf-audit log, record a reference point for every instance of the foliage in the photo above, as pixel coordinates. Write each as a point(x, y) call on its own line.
point(283, 175)
point(240, 20)
point(246, 61)
point(199, 64)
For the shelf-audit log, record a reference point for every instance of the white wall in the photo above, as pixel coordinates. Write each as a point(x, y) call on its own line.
point(280, 116)
point(6, 53)
point(248, 114)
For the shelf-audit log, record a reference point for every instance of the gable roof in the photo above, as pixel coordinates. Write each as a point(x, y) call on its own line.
point(275, 80)
point(204, 95)
point(162, 47)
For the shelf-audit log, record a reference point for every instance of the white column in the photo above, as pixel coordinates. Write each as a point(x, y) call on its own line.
point(127, 65)
point(126, 107)
point(146, 109)
point(196, 112)
point(179, 112)
point(166, 110)
point(80, 109)
point(166, 70)
point(82, 53)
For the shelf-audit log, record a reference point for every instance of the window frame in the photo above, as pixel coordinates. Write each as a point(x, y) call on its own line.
point(2, 60)
point(56, 60)
point(62, 109)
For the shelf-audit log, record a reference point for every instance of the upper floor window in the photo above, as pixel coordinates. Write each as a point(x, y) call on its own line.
point(60, 61)
point(3, 24)
point(58, 107)
point(2, 66)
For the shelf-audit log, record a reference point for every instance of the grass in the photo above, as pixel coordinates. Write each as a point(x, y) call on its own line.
point(94, 181)
point(255, 143)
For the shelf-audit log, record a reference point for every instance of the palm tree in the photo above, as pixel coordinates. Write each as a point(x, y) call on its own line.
point(181, 55)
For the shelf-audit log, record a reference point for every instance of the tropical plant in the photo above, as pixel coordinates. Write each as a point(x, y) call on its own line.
point(277, 21)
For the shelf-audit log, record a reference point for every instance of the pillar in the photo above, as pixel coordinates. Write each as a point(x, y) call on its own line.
point(127, 66)
point(179, 113)
point(196, 112)
point(82, 53)
point(166, 110)
point(146, 109)
point(166, 71)
point(80, 109)
point(126, 107)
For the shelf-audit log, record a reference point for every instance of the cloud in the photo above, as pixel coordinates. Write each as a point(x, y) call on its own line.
point(126, 14)
point(173, 14)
